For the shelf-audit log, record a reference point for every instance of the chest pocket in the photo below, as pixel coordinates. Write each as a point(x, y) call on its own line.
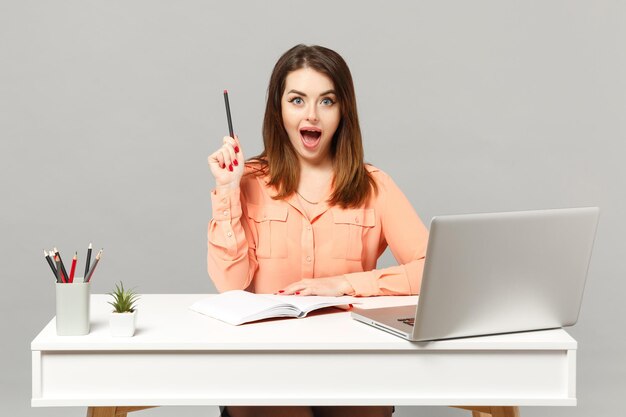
point(349, 229)
point(271, 226)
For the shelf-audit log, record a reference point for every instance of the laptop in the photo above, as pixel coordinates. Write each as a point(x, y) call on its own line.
point(497, 273)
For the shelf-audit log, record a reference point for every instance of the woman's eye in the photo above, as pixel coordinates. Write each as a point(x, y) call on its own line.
point(296, 100)
point(327, 101)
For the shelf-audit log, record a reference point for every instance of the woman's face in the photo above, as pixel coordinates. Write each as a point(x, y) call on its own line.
point(311, 114)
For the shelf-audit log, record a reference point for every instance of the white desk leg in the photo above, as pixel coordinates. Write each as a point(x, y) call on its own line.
point(112, 411)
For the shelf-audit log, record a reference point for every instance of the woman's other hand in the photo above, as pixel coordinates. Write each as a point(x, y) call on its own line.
point(227, 163)
point(329, 287)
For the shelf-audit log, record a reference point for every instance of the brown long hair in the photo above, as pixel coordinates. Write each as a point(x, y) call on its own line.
point(352, 183)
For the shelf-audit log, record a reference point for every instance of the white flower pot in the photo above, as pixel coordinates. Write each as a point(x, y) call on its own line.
point(122, 324)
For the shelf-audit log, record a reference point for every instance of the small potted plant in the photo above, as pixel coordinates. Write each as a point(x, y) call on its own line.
point(123, 318)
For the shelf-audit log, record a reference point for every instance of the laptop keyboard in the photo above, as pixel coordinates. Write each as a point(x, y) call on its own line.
point(410, 321)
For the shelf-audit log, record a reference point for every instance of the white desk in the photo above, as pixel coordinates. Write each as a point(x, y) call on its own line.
point(179, 357)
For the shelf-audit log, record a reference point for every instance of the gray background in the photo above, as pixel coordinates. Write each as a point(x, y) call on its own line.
point(108, 110)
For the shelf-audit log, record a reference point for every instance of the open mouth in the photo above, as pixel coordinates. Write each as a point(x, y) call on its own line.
point(310, 136)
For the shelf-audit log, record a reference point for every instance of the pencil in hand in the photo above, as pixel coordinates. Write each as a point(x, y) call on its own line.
point(230, 120)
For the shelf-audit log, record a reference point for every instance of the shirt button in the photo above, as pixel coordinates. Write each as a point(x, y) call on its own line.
point(229, 234)
point(308, 227)
point(225, 213)
point(356, 219)
point(224, 200)
point(308, 259)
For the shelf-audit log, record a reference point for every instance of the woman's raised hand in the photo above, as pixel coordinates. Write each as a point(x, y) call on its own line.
point(227, 163)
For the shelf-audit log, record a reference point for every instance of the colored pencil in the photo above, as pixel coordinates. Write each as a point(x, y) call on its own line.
point(88, 260)
point(73, 268)
point(60, 278)
point(64, 272)
point(54, 270)
point(93, 267)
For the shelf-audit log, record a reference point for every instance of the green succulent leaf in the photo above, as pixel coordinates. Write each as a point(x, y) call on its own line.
point(123, 300)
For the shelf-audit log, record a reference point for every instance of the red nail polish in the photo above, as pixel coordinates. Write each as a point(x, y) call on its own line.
point(235, 162)
point(230, 167)
point(281, 291)
point(223, 165)
point(297, 292)
point(236, 149)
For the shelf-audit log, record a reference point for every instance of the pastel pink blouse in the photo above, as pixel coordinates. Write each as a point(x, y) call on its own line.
point(262, 245)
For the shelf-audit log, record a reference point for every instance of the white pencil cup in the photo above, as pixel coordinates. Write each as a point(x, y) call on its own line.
point(73, 308)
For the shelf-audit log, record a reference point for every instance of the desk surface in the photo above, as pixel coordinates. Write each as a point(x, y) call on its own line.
point(180, 357)
point(165, 322)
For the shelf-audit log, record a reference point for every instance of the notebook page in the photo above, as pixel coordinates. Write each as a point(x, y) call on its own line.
point(234, 307)
point(307, 303)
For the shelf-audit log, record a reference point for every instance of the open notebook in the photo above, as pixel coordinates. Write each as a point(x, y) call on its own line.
point(238, 307)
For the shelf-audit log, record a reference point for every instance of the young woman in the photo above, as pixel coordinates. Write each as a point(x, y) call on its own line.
point(307, 216)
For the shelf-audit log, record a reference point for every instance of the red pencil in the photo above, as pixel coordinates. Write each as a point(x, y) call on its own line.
point(73, 269)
